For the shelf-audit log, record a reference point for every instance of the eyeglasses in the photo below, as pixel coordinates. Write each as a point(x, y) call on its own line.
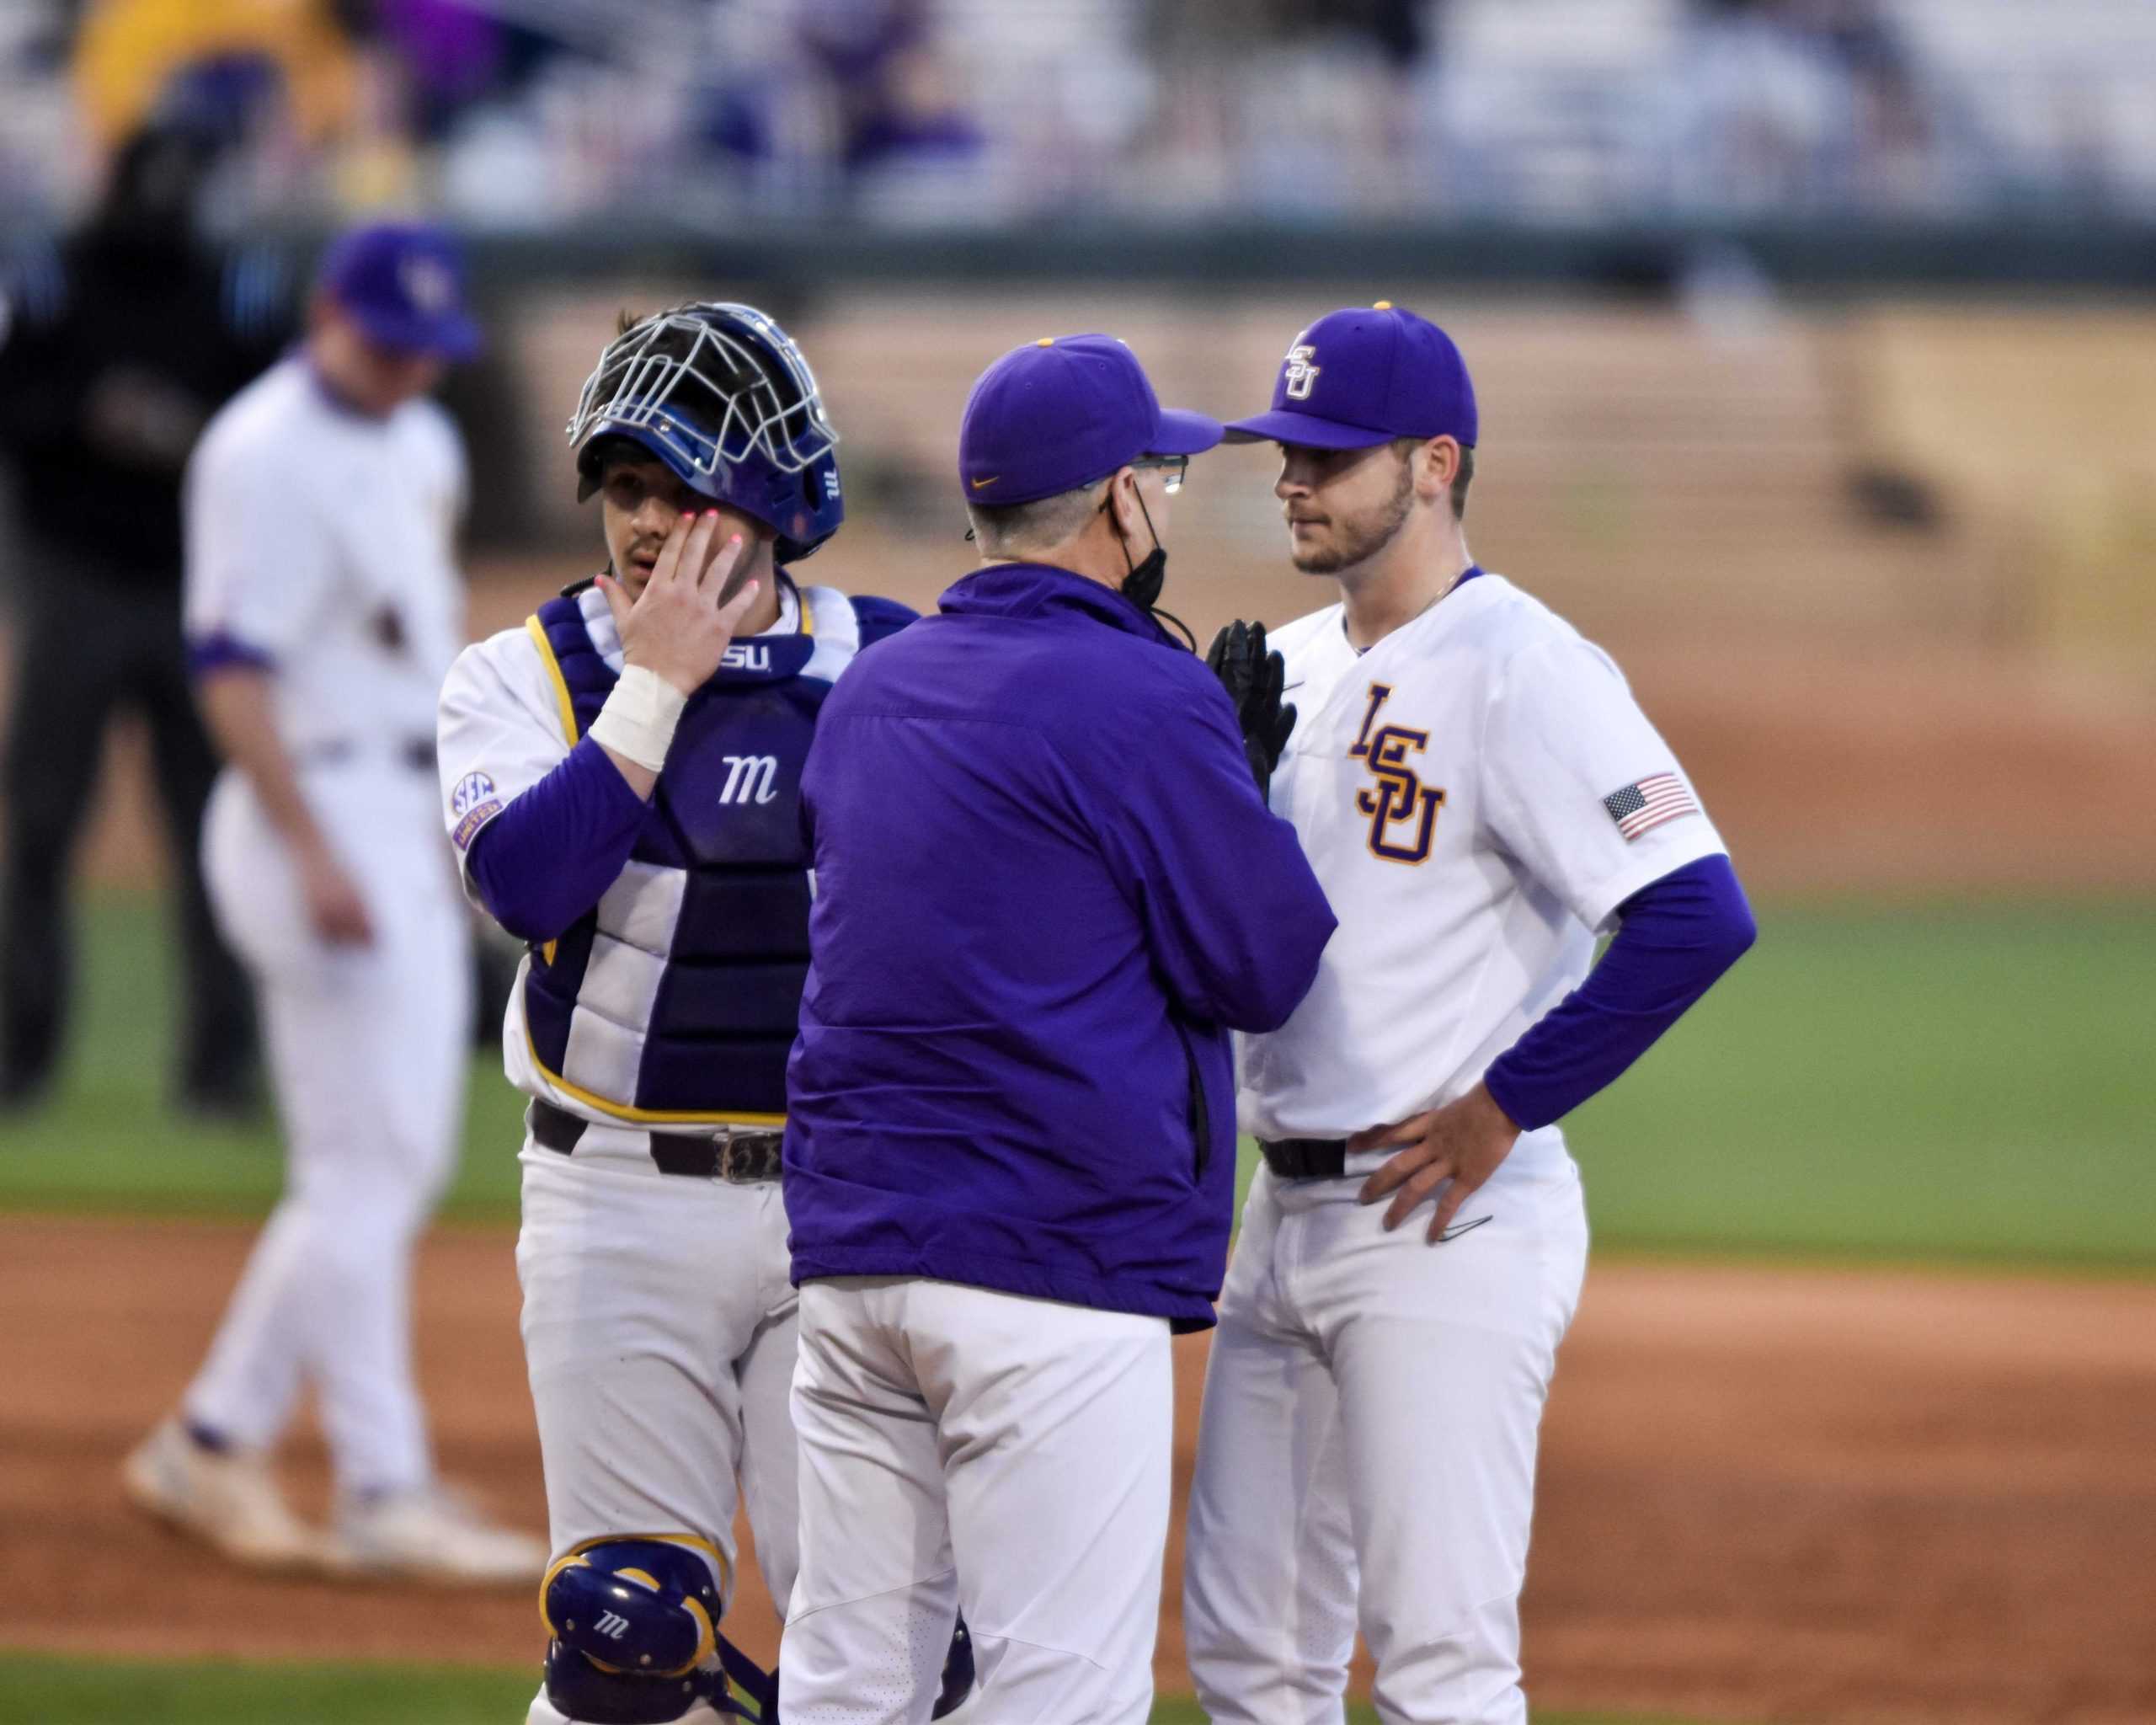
point(1173, 465)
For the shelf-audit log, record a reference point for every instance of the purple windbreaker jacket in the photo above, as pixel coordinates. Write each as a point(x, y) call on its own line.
point(1046, 889)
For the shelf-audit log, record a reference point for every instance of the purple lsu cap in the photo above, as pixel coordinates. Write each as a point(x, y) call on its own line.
point(1062, 412)
point(403, 284)
point(1357, 378)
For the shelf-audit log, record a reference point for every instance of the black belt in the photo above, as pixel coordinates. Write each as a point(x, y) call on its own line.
point(741, 1158)
point(416, 753)
point(1304, 1158)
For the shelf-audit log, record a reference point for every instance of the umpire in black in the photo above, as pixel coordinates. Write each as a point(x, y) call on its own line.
point(115, 346)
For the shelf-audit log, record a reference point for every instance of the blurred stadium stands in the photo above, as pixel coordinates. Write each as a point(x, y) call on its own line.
point(517, 114)
point(1820, 331)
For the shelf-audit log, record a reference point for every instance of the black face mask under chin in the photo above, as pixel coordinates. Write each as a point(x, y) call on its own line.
point(1148, 576)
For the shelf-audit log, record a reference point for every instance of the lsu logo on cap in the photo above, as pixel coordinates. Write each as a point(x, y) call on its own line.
point(1299, 375)
point(428, 283)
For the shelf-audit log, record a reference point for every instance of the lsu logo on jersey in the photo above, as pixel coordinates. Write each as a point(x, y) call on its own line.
point(1403, 810)
point(1298, 375)
point(745, 655)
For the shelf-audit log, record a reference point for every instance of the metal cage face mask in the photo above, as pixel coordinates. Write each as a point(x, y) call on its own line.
point(637, 389)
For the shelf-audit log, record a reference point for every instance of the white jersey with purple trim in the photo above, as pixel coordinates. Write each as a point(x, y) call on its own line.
point(1479, 792)
point(1478, 795)
point(322, 543)
point(320, 552)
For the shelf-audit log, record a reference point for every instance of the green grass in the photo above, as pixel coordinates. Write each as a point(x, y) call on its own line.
point(1912, 1083)
point(107, 1141)
point(1963, 1085)
point(37, 1689)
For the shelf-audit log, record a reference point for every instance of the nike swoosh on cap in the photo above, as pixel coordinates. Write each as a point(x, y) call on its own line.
point(983, 484)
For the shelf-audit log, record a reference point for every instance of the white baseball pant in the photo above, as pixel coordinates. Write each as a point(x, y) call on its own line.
point(368, 1052)
point(964, 1449)
point(1366, 1451)
point(658, 1332)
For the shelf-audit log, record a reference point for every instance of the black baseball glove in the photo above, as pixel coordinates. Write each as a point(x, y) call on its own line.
point(1252, 678)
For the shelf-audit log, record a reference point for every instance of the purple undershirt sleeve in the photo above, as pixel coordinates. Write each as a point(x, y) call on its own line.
point(550, 856)
point(219, 651)
point(1675, 937)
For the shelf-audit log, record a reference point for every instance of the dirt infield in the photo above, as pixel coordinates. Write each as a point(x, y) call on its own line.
point(1773, 1495)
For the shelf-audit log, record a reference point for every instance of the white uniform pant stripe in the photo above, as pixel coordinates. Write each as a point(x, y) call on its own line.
point(962, 1448)
point(1387, 1394)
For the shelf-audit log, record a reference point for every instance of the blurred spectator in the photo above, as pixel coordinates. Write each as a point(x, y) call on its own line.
point(856, 100)
point(1759, 109)
point(128, 51)
point(1308, 100)
point(895, 96)
point(455, 56)
point(530, 114)
point(115, 348)
point(1809, 104)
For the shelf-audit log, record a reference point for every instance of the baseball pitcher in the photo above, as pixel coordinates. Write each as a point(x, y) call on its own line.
point(1481, 797)
point(322, 604)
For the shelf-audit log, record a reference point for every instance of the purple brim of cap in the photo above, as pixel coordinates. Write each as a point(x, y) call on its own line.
point(1281, 426)
point(1183, 433)
point(454, 337)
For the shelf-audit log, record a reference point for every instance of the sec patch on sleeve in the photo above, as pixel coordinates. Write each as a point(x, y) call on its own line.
point(474, 802)
point(1640, 807)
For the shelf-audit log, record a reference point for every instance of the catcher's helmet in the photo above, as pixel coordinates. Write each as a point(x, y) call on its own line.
point(720, 394)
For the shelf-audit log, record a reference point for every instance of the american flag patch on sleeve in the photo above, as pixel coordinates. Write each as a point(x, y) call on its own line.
point(1640, 807)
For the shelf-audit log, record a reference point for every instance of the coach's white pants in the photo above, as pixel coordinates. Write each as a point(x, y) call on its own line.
point(658, 1328)
point(368, 1048)
point(968, 1450)
point(1371, 1410)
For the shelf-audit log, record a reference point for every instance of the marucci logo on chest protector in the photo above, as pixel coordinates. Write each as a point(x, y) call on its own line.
point(749, 778)
point(1399, 797)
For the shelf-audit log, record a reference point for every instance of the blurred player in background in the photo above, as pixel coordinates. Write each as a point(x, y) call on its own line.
point(324, 607)
point(1481, 796)
point(622, 778)
point(115, 348)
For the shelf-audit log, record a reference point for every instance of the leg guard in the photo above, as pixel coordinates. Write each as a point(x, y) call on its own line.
point(635, 1641)
point(633, 1623)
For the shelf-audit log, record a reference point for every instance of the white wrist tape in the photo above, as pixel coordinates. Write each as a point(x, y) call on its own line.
point(638, 721)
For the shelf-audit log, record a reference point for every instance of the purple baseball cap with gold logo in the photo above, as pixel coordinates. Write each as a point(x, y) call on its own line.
point(1358, 377)
point(403, 284)
point(1062, 412)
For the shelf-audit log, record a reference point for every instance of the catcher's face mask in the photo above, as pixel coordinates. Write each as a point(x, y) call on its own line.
point(722, 396)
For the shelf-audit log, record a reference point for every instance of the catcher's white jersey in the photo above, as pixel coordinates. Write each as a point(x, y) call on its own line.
point(1464, 790)
point(502, 726)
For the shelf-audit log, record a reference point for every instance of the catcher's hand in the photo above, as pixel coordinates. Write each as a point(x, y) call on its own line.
point(1252, 678)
